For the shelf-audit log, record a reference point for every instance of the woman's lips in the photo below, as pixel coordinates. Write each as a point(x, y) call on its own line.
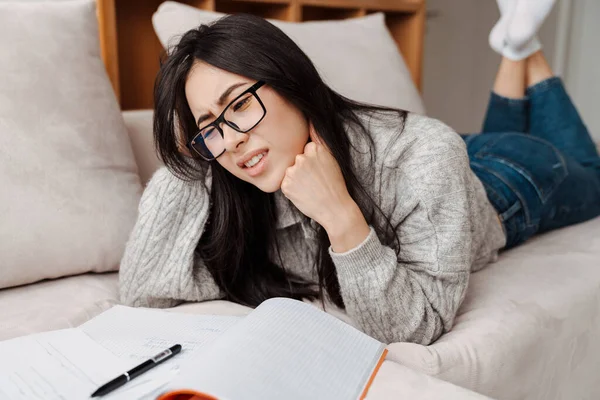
point(259, 167)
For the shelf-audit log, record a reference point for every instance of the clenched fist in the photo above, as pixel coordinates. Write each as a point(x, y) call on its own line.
point(316, 186)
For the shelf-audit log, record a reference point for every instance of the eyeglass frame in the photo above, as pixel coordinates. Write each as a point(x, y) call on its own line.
point(221, 120)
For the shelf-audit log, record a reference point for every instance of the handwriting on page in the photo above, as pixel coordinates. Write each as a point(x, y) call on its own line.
point(136, 334)
point(63, 364)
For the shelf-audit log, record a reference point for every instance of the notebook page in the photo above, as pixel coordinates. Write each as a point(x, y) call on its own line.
point(139, 333)
point(136, 334)
point(284, 349)
point(63, 364)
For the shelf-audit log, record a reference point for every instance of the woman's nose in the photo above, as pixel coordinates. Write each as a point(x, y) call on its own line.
point(233, 138)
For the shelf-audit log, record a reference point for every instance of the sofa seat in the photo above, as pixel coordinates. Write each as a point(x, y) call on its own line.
point(55, 304)
point(68, 302)
point(529, 325)
point(527, 328)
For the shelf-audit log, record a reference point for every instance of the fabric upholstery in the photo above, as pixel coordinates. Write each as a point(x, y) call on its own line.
point(70, 186)
point(526, 329)
point(55, 304)
point(139, 126)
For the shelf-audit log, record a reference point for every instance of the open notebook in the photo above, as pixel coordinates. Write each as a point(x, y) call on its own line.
point(284, 349)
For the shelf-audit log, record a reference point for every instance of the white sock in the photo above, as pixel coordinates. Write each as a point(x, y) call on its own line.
point(498, 33)
point(516, 54)
point(526, 21)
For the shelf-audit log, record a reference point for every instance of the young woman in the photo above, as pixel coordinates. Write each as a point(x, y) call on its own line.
point(275, 185)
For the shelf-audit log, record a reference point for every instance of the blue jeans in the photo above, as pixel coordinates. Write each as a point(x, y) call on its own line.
point(537, 162)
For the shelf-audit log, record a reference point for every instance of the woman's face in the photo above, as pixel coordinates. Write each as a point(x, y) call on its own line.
point(279, 137)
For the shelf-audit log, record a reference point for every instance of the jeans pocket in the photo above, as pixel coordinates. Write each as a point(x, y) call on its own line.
point(512, 214)
point(535, 160)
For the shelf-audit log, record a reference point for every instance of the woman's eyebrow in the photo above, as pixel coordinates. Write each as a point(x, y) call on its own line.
point(221, 99)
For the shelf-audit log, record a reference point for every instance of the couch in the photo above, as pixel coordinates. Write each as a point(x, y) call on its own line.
point(526, 329)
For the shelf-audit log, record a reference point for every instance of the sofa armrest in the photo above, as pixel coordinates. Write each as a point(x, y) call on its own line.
point(139, 127)
point(395, 381)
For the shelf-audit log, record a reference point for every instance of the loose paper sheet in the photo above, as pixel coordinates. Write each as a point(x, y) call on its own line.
point(136, 334)
point(64, 364)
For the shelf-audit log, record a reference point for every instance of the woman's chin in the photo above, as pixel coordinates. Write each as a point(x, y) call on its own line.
point(270, 187)
point(269, 181)
point(270, 184)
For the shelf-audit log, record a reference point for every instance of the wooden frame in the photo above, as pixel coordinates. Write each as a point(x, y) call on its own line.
point(131, 50)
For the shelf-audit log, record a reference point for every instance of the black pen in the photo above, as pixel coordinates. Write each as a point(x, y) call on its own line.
point(137, 371)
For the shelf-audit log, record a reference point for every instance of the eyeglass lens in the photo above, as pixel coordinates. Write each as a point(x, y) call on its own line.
point(242, 115)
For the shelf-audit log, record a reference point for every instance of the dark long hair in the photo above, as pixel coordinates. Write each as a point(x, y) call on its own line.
point(240, 229)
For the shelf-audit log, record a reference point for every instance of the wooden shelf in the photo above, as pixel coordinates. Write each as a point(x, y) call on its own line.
point(408, 6)
point(131, 50)
point(270, 2)
point(315, 13)
point(266, 9)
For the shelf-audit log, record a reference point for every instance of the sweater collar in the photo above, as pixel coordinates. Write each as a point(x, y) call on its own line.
point(288, 215)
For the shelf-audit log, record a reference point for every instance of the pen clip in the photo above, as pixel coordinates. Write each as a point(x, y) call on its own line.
point(162, 355)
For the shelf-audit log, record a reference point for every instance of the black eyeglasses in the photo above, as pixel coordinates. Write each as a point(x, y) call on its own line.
point(242, 114)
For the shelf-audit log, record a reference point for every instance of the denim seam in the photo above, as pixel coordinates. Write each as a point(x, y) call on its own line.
point(491, 189)
point(515, 192)
point(512, 230)
point(497, 198)
point(525, 173)
point(512, 102)
point(489, 144)
point(511, 211)
point(561, 160)
point(542, 86)
point(504, 205)
point(522, 171)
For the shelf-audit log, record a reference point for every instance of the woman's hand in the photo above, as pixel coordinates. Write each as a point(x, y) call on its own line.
point(316, 186)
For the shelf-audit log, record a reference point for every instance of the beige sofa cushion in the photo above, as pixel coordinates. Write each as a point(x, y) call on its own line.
point(50, 305)
point(357, 57)
point(139, 126)
point(55, 304)
point(527, 328)
point(69, 181)
point(529, 325)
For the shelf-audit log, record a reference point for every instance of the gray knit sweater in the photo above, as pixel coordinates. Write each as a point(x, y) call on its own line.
point(420, 178)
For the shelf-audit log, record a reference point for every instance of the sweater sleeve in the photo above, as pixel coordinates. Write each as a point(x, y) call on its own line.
point(158, 268)
point(412, 295)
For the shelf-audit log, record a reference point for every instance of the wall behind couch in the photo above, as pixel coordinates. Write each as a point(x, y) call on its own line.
point(459, 66)
point(582, 73)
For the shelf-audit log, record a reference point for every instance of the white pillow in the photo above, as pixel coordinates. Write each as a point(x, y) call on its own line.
point(69, 182)
point(357, 57)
